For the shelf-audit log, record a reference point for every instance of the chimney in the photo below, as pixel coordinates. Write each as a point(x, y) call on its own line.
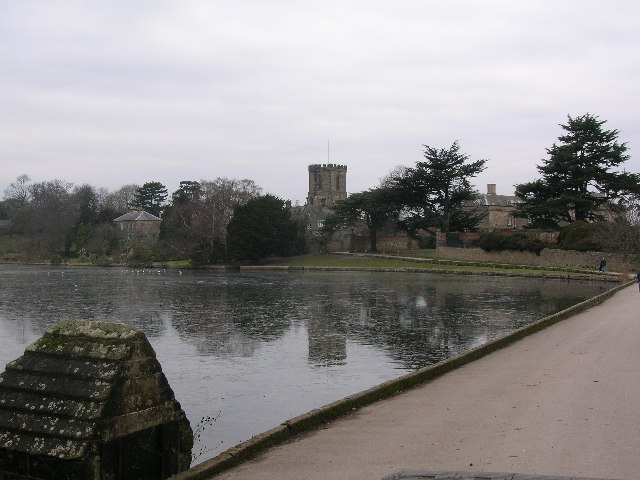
point(491, 189)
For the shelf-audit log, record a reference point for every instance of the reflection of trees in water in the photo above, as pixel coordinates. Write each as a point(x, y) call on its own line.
point(419, 318)
point(440, 316)
point(45, 296)
point(416, 329)
point(233, 314)
point(423, 329)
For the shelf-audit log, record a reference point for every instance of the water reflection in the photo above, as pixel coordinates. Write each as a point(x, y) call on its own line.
point(262, 347)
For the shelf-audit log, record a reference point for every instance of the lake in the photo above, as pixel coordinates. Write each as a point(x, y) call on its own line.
point(256, 348)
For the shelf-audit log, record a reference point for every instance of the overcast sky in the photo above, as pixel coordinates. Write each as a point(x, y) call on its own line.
point(117, 92)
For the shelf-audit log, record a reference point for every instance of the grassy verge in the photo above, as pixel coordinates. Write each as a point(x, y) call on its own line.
point(173, 263)
point(345, 261)
point(77, 261)
point(422, 253)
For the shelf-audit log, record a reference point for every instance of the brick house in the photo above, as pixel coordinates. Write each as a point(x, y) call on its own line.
point(498, 209)
point(138, 227)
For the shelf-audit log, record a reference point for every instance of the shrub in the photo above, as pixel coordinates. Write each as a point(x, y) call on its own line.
point(100, 260)
point(157, 257)
point(579, 236)
point(496, 241)
point(139, 257)
point(427, 242)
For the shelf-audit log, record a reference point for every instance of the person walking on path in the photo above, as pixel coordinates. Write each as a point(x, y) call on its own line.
point(603, 265)
point(638, 280)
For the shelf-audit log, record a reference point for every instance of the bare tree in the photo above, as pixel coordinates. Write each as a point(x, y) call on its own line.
point(622, 234)
point(388, 180)
point(214, 209)
point(120, 200)
point(50, 216)
point(18, 192)
point(16, 199)
point(218, 200)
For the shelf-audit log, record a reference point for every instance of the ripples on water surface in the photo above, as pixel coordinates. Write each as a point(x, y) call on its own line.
point(262, 347)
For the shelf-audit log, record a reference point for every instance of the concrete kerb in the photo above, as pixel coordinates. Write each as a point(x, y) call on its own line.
point(515, 273)
point(433, 475)
point(311, 420)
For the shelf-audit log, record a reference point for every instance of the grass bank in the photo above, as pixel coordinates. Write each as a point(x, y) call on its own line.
point(380, 262)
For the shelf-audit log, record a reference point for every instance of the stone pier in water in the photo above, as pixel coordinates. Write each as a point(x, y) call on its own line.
point(89, 401)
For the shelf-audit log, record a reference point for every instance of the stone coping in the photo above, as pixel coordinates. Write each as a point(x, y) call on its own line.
point(460, 271)
point(334, 410)
point(437, 266)
point(432, 475)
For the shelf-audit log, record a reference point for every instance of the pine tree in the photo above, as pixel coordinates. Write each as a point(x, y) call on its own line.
point(151, 197)
point(578, 178)
point(435, 192)
point(262, 227)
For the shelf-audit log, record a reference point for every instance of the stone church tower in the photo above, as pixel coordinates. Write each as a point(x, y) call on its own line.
point(327, 184)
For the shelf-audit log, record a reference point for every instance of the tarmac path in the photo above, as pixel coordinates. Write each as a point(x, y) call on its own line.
point(563, 401)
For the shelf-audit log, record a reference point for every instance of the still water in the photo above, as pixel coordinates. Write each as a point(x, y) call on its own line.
point(257, 348)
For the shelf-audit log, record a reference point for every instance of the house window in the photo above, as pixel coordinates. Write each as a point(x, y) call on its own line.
point(320, 223)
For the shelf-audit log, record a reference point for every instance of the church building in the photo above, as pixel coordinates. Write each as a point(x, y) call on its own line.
point(327, 185)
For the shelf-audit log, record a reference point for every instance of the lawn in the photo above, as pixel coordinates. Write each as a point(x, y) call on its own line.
point(349, 261)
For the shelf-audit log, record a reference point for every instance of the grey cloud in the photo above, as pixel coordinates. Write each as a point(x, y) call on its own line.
point(119, 92)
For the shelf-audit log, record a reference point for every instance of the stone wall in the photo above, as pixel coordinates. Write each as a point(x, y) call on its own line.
point(390, 244)
point(361, 243)
point(140, 231)
point(547, 258)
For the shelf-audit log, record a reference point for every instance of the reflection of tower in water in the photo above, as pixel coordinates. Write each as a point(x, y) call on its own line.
point(327, 340)
point(326, 347)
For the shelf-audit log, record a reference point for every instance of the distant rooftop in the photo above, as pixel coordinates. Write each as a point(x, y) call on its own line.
point(497, 200)
point(491, 198)
point(137, 216)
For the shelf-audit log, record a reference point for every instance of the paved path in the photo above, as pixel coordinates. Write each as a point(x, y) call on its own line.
point(564, 401)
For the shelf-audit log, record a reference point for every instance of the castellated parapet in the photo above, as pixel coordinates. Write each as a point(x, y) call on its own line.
point(327, 184)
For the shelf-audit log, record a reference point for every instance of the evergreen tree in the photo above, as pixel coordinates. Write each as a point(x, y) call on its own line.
point(263, 227)
point(151, 197)
point(188, 191)
point(86, 200)
point(377, 207)
point(176, 229)
point(435, 192)
point(578, 178)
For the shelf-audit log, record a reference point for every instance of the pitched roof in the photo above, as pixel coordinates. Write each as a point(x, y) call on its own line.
point(136, 215)
point(488, 199)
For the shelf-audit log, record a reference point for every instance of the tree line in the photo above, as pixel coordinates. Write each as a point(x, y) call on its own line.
point(579, 182)
point(229, 219)
point(203, 221)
